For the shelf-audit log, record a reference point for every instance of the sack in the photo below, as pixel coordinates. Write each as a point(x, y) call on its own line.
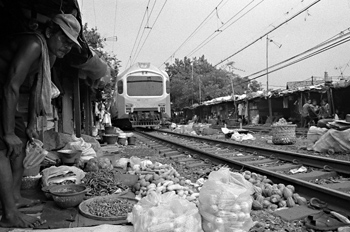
point(225, 202)
point(165, 212)
point(35, 154)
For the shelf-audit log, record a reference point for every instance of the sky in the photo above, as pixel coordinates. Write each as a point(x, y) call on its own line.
point(217, 29)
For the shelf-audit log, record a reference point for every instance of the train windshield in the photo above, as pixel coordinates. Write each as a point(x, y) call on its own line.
point(145, 86)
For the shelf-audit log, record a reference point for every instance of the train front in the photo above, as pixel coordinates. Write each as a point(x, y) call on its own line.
point(146, 96)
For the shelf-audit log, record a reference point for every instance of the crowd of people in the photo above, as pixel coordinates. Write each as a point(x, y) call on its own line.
point(312, 112)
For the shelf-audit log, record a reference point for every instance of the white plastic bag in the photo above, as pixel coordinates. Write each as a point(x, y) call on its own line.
point(165, 212)
point(79, 144)
point(225, 202)
point(35, 154)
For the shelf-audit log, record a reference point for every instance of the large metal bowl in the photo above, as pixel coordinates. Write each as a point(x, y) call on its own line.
point(69, 156)
point(67, 196)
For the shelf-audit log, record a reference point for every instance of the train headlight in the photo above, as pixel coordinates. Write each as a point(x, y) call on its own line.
point(161, 107)
point(128, 108)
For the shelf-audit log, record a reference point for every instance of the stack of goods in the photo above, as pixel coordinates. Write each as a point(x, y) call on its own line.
point(225, 202)
point(165, 212)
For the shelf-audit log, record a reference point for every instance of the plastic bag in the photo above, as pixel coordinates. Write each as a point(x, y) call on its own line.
point(225, 202)
point(35, 154)
point(62, 175)
point(165, 212)
point(79, 144)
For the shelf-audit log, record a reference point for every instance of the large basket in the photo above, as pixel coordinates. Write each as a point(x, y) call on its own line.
point(283, 134)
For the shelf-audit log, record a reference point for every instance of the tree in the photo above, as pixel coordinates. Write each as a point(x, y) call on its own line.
point(95, 42)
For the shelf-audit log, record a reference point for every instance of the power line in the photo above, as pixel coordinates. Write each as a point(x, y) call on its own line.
point(275, 28)
point(151, 27)
point(143, 18)
point(322, 47)
point(137, 51)
point(208, 39)
point(194, 32)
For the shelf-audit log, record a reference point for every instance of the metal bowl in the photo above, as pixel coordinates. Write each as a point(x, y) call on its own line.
point(67, 196)
point(69, 156)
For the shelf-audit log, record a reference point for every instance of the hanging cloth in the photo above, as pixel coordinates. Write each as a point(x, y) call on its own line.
point(43, 86)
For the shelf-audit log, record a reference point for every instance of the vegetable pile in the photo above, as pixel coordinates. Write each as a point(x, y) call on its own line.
point(95, 164)
point(161, 179)
point(103, 182)
point(110, 208)
point(272, 196)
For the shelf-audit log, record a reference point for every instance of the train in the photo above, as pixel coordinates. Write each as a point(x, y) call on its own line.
point(141, 97)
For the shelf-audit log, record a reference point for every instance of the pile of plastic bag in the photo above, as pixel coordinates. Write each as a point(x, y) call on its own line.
point(225, 202)
point(79, 144)
point(165, 212)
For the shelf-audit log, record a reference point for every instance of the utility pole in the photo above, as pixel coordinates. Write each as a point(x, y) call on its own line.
point(267, 76)
point(192, 83)
point(200, 89)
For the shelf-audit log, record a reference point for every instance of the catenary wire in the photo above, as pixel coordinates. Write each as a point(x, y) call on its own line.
point(275, 28)
point(137, 36)
point(151, 27)
point(137, 51)
point(193, 33)
point(330, 44)
point(208, 39)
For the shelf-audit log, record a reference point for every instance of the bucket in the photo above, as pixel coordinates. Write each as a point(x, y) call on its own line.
point(131, 140)
point(122, 141)
point(110, 130)
point(110, 138)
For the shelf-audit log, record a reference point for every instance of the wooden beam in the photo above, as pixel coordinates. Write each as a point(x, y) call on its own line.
point(77, 114)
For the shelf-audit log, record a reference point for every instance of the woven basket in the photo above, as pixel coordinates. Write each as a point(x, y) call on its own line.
point(283, 134)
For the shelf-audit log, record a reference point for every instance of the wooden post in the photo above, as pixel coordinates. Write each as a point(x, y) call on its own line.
point(88, 119)
point(77, 114)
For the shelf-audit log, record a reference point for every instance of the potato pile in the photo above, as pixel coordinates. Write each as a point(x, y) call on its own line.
point(272, 196)
point(163, 178)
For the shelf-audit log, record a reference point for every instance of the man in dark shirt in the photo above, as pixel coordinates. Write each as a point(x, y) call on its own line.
point(21, 58)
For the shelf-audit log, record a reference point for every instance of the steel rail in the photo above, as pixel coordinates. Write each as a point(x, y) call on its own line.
point(336, 200)
point(339, 166)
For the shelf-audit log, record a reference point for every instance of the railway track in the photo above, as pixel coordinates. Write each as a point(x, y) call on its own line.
point(201, 154)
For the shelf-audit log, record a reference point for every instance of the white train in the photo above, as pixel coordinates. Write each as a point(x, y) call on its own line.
point(141, 97)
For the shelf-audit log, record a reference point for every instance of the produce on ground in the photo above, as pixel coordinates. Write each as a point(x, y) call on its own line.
point(110, 208)
point(161, 179)
point(96, 164)
point(272, 196)
point(103, 182)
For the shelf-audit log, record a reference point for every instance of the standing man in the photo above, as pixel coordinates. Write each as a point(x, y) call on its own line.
point(305, 117)
point(25, 63)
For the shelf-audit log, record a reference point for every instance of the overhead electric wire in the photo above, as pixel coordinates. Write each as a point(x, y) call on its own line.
point(208, 39)
point(275, 28)
point(143, 18)
point(194, 32)
point(334, 38)
point(137, 50)
point(322, 47)
point(150, 30)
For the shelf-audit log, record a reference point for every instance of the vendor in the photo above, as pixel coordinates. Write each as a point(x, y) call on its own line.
point(22, 57)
